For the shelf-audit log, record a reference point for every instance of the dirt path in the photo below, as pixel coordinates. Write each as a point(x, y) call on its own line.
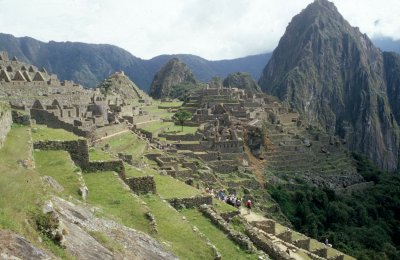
point(256, 165)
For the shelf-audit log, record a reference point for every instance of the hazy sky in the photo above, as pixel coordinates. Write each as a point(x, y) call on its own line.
point(213, 29)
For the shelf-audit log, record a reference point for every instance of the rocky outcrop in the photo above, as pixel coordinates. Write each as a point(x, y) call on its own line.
point(335, 77)
point(80, 224)
point(14, 246)
point(242, 80)
point(120, 86)
point(174, 73)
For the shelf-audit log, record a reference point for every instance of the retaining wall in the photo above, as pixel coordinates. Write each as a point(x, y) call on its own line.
point(5, 121)
point(242, 240)
point(142, 185)
point(192, 202)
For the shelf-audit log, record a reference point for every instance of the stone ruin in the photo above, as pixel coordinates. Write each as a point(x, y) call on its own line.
point(85, 112)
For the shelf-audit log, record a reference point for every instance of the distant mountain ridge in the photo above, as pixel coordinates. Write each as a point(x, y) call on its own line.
point(89, 64)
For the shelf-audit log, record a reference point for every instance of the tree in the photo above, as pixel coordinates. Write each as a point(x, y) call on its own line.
point(182, 116)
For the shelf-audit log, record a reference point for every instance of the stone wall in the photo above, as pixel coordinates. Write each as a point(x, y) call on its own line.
point(242, 240)
point(186, 137)
point(109, 130)
point(46, 118)
point(224, 166)
point(115, 165)
point(5, 122)
point(192, 202)
point(142, 185)
point(78, 149)
point(20, 118)
point(266, 245)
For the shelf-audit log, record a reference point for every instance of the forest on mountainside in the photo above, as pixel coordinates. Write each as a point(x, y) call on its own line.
point(364, 224)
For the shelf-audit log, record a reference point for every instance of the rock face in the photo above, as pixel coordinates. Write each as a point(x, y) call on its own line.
point(13, 246)
point(242, 80)
point(172, 74)
point(335, 77)
point(80, 223)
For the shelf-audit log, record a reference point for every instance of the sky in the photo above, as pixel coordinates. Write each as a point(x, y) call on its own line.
point(212, 29)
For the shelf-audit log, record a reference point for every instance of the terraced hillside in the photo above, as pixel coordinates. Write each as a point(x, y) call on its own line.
point(297, 152)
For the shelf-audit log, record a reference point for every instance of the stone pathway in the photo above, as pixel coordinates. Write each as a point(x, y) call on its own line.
point(253, 216)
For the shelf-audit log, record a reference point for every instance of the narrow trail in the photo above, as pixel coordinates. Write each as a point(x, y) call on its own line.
point(256, 165)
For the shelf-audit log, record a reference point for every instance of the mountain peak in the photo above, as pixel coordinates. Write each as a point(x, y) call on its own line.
point(333, 75)
point(174, 73)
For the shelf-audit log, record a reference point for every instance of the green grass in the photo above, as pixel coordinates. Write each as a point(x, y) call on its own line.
point(156, 127)
point(176, 232)
point(177, 129)
point(125, 143)
point(22, 190)
point(108, 193)
point(58, 165)
point(227, 248)
point(169, 187)
point(133, 172)
point(99, 155)
point(222, 207)
point(43, 133)
point(173, 104)
point(160, 113)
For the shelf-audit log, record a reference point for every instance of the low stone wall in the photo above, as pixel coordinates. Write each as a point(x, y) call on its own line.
point(224, 166)
point(267, 226)
point(207, 157)
point(78, 149)
point(266, 245)
point(116, 166)
point(20, 118)
point(109, 130)
point(242, 240)
point(192, 147)
point(46, 118)
point(5, 121)
point(229, 215)
point(186, 137)
point(303, 244)
point(192, 202)
point(142, 185)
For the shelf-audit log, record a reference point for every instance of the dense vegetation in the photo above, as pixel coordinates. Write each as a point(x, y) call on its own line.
point(365, 224)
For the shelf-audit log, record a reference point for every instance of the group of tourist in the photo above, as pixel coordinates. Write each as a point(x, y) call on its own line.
point(230, 199)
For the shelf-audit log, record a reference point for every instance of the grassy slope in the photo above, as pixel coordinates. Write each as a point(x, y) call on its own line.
point(177, 232)
point(227, 248)
point(108, 193)
point(127, 143)
point(58, 165)
point(17, 212)
point(42, 133)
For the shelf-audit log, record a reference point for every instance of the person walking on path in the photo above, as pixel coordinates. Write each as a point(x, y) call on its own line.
point(248, 206)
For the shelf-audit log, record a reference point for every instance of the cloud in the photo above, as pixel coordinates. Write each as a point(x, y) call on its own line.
point(209, 28)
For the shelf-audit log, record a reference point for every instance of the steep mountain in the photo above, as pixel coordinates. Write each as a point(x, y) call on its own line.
point(336, 78)
point(243, 81)
point(119, 85)
point(175, 74)
point(89, 64)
